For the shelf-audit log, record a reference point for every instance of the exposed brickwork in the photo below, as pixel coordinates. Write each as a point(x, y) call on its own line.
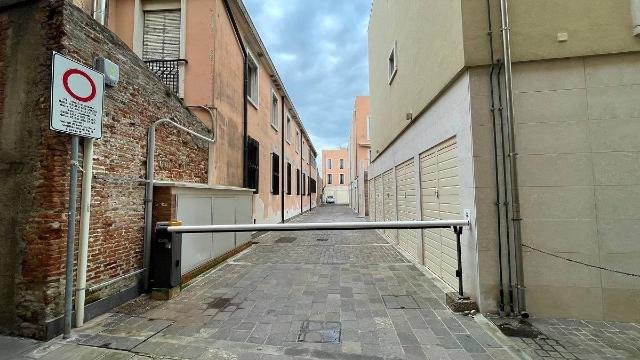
point(118, 192)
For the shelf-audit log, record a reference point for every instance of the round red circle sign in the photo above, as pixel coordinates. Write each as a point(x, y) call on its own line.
point(65, 82)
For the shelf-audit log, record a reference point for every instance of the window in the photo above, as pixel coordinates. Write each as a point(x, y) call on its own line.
point(288, 129)
point(393, 62)
point(341, 163)
point(297, 181)
point(304, 184)
point(312, 186)
point(253, 164)
point(329, 164)
point(341, 179)
point(295, 144)
point(253, 83)
point(275, 173)
point(274, 110)
point(309, 185)
point(161, 35)
point(288, 178)
point(329, 179)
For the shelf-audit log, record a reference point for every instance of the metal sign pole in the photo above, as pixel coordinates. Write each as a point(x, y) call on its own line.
point(71, 228)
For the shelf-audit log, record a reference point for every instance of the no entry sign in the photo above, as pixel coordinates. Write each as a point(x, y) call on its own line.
point(76, 98)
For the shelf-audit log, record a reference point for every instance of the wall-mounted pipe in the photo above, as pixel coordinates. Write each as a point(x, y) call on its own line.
point(282, 172)
point(495, 157)
point(513, 184)
point(635, 16)
point(148, 200)
point(213, 115)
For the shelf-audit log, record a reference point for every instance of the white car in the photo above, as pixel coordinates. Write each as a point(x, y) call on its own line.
point(330, 200)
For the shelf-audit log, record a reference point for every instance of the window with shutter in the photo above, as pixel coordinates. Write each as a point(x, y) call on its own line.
point(253, 164)
point(297, 181)
point(161, 35)
point(275, 177)
point(289, 179)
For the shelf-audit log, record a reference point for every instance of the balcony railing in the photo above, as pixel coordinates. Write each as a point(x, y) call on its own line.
point(168, 71)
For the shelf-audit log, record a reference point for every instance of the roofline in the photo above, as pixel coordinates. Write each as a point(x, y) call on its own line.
point(238, 5)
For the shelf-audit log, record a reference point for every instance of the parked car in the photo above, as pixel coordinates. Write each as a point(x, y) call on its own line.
point(330, 200)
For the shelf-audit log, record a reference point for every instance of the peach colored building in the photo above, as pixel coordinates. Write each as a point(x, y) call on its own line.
point(359, 148)
point(335, 175)
point(210, 54)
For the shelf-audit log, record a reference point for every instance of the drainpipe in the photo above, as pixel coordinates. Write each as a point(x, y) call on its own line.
point(85, 200)
point(283, 172)
point(245, 74)
point(148, 201)
point(515, 194)
point(214, 129)
point(495, 157)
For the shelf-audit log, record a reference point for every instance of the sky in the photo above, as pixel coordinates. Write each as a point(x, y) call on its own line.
point(319, 48)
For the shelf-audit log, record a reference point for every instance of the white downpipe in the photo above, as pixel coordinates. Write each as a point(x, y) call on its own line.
point(85, 217)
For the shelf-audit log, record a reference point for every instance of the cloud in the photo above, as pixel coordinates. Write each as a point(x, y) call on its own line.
point(320, 51)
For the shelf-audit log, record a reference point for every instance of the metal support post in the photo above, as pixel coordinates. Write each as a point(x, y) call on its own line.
point(71, 228)
point(458, 231)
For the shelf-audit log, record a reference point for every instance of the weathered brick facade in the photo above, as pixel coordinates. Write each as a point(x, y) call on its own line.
point(34, 162)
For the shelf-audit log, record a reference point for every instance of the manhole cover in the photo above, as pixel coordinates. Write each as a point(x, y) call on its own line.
point(322, 239)
point(285, 240)
point(400, 302)
point(324, 332)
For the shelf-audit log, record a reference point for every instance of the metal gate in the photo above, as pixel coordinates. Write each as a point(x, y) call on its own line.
point(440, 189)
point(406, 195)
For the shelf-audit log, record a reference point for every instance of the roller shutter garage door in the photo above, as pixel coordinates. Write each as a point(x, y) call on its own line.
point(389, 204)
point(379, 197)
point(406, 194)
point(371, 203)
point(440, 189)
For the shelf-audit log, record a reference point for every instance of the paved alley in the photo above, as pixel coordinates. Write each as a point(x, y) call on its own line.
point(295, 295)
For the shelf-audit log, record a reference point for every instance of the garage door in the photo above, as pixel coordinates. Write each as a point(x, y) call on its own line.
point(379, 196)
point(389, 204)
point(371, 202)
point(406, 194)
point(440, 189)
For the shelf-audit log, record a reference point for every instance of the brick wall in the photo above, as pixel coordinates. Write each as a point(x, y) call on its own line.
point(36, 195)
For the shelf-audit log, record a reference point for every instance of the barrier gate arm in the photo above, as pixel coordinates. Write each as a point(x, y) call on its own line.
point(176, 227)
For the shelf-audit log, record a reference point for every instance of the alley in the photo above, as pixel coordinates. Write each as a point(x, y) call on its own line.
point(295, 295)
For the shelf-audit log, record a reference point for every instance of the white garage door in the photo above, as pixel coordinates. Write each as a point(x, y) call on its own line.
point(440, 188)
point(379, 197)
point(389, 204)
point(406, 194)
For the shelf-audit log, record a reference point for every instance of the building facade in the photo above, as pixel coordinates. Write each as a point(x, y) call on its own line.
point(563, 111)
point(335, 174)
point(203, 50)
point(359, 148)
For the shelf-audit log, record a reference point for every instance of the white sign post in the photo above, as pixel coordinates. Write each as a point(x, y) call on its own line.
point(76, 109)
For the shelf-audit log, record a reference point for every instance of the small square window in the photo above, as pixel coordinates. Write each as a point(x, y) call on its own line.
point(274, 110)
point(393, 62)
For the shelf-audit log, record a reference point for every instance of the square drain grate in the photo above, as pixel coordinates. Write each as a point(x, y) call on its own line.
point(323, 332)
point(400, 302)
point(285, 240)
point(322, 239)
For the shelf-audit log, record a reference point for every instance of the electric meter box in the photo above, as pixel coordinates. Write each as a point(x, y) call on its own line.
point(110, 70)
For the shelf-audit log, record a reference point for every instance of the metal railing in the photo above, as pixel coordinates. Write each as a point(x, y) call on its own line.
point(168, 71)
point(168, 229)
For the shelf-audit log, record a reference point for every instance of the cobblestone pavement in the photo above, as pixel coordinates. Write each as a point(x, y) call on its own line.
point(310, 295)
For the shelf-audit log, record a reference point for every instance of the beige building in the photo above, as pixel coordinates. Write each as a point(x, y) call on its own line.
point(359, 148)
point(444, 113)
point(335, 174)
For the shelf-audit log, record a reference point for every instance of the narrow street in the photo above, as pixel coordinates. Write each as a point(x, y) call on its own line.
point(320, 295)
point(325, 295)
